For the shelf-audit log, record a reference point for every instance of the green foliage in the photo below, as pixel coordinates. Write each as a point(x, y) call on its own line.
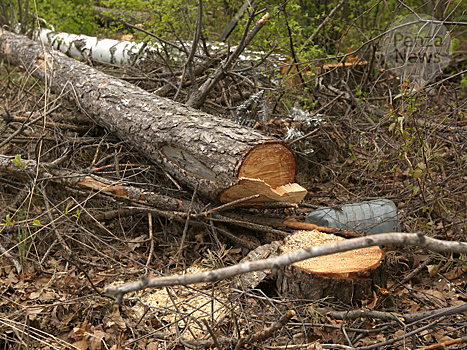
point(354, 22)
point(67, 210)
point(454, 45)
point(18, 161)
point(72, 16)
point(175, 19)
point(8, 221)
point(464, 82)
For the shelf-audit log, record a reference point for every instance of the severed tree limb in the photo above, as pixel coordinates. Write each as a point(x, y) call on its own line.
point(249, 225)
point(162, 205)
point(236, 239)
point(166, 206)
point(276, 263)
point(298, 225)
point(229, 161)
point(93, 182)
point(228, 205)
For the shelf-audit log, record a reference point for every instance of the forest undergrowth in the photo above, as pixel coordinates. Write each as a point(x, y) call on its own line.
point(359, 134)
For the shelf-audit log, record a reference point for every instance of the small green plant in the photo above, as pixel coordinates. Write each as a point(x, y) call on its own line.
point(18, 161)
point(25, 240)
point(78, 214)
point(464, 82)
point(8, 221)
point(361, 95)
point(67, 210)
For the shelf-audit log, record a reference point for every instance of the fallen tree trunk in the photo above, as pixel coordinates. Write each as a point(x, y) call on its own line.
point(227, 160)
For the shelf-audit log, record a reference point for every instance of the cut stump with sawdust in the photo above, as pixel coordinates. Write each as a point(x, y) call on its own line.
point(346, 277)
point(343, 277)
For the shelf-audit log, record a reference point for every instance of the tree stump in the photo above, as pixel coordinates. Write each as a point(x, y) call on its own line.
point(343, 277)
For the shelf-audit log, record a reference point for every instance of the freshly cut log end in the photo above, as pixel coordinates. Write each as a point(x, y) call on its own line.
point(272, 162)
point(224, 160)
point(268, 170)
point(345, 277)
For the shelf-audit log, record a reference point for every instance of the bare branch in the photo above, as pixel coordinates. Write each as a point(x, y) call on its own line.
point(395, 238)
point(197, 99)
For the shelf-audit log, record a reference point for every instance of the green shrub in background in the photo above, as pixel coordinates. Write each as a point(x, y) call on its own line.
point(72, 16)
point(355, 22)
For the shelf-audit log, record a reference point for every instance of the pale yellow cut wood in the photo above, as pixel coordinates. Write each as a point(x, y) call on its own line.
point(290, 193)
point(273, 163)
point(347, 265)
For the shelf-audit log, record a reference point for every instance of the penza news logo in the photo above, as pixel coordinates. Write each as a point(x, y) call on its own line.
point(416, 49)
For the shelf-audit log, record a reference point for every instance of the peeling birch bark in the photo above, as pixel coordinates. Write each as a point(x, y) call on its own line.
point(94, 48)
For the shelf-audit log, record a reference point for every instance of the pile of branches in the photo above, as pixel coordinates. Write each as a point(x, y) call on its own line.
point(82, 207)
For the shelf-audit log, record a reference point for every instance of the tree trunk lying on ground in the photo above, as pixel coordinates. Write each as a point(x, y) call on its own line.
point(227, 160)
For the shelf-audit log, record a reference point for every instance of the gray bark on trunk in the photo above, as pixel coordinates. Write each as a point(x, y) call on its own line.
point(228, 161)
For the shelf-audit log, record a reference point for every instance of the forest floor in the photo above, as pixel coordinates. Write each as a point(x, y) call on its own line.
point(414, 154)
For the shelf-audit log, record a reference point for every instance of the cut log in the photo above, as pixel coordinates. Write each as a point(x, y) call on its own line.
point(227, 160)
point(343, 277)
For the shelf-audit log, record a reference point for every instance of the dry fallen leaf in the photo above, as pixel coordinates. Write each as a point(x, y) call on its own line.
point(456, 273)
point(81, 344)
point(433, 270)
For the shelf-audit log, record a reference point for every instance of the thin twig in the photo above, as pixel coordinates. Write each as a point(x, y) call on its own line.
point(151, 238)
point(189, 62)
point(197, 100)
point(268, 332)
point(322, 24)
point(213, 336)
point(177, 256)
point(228, 205)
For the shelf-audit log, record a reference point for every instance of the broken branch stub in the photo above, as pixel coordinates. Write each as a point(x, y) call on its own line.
point(228, 161)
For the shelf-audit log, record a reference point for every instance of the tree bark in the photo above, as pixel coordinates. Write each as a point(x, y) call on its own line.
point(228, 161)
